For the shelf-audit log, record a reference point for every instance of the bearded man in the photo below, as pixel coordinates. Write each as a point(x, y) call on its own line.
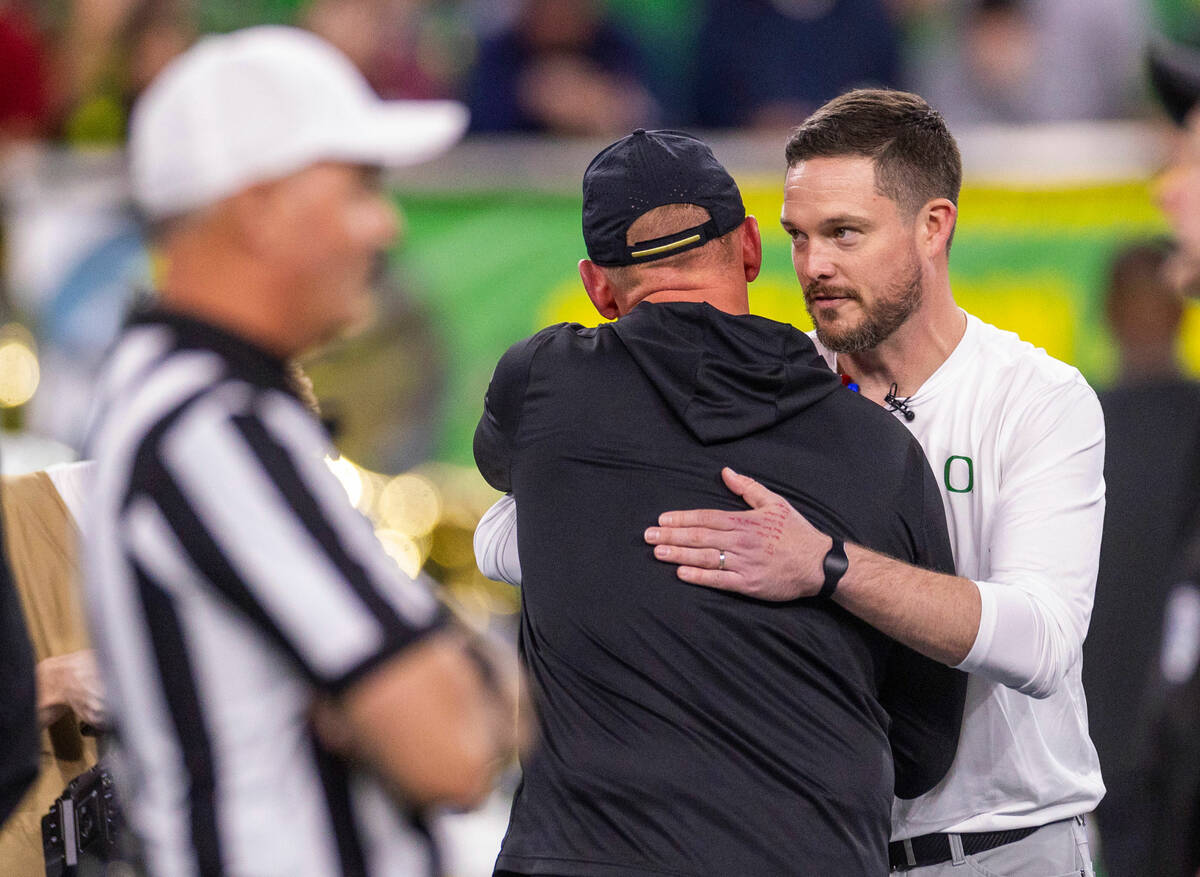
point(1015, 440)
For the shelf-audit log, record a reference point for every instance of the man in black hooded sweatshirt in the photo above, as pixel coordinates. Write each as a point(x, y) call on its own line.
point(686, 730)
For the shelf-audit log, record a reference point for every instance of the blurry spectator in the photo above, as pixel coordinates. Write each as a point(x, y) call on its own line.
point(1152, 473)
point(406, 48)
point(40, 511)
point(770, 63)
point(561, 68)
point(1168, 754)
point(1000, 46)
point(109, 51)
point(1175, 74)
point(1028, 60)
point(1169, 765)
point(24, 99)
point(666, 30)
point(1145, 315)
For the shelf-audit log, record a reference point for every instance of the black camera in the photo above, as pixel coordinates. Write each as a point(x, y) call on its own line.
point(80, 833)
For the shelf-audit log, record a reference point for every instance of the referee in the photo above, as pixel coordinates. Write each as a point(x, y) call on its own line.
point(285, 700)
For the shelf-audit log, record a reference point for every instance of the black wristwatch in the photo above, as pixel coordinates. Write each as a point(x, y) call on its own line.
point(834, 565)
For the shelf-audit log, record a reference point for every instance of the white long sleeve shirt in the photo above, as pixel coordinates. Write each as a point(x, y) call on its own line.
point(1016, 441)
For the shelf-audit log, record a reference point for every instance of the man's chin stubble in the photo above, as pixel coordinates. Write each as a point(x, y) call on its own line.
point(854, 340)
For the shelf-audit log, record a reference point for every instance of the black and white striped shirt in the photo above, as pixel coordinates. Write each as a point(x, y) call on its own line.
point(228, 580)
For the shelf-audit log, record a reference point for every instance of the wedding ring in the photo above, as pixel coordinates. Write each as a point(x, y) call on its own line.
point(721, 564)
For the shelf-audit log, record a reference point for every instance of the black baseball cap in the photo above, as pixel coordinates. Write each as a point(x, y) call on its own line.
point(645, 170)
point(1175, 74)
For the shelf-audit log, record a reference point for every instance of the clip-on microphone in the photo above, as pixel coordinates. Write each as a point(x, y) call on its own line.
point(898, 404)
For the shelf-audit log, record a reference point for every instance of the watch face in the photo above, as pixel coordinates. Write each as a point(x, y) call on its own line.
point(834, 566)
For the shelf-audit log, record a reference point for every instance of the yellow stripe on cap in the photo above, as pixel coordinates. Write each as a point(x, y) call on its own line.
point(674, 245)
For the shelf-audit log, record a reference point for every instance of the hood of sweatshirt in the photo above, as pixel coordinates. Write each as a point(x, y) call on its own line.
point(724, 376)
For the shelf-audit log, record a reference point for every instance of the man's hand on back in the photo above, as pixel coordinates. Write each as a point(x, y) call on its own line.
point(771, 551)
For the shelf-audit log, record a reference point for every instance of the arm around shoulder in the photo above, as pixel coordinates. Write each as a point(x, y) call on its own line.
point(934, 613)
point(772, 552)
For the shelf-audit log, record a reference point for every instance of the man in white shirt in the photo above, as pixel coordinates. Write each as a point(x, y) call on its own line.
point(1016, 442)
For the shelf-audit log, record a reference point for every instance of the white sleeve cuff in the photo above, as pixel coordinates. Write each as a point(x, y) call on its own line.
point(987, 629)
point(496, 542)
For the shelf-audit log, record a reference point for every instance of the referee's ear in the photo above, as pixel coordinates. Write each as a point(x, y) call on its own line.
point(599, 289)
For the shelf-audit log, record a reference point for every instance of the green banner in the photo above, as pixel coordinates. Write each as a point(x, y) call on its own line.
point(494, 267)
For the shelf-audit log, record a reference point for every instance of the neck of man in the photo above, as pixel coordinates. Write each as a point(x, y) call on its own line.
point(732, 298)
point(211, 281)
point(1148, 364)
point(911, 354)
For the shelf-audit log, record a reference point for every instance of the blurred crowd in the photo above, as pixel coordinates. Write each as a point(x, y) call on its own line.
point(69, 69)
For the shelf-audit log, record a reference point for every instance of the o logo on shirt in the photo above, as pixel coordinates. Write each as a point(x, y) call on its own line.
point(959, 478)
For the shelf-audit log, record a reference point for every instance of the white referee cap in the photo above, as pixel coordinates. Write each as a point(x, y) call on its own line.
point(261, 103)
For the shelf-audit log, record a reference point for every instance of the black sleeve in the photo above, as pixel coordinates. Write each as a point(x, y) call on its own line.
point(18, 709)
point(495, 436)
point(924, 698)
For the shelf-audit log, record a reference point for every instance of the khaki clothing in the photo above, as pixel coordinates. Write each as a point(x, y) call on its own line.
point(42, 551)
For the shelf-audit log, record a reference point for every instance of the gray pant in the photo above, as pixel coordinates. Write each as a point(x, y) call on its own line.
point(1058, 850)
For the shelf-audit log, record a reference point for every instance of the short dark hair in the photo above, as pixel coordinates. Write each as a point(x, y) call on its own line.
point(916, 158)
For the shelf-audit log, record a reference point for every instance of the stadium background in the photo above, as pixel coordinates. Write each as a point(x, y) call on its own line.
point(488, 254)
point(491, 231)
point(498, 265)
